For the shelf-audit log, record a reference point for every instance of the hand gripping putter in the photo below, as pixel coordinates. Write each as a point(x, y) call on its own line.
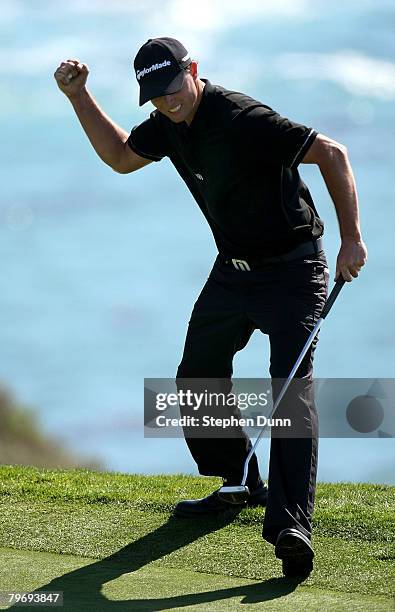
point(239, 494)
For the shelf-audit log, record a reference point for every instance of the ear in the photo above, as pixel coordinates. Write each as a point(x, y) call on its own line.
point(194, 69)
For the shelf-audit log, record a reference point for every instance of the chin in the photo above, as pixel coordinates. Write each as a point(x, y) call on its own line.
point(176, 119)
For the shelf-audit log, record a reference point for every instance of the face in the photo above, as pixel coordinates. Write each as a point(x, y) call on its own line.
point(181, 105)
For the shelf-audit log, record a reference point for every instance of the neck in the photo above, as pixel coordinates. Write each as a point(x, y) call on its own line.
point(199, 87)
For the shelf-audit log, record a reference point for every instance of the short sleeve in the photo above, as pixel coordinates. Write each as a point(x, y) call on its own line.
point(267, 136)
point(149, 140)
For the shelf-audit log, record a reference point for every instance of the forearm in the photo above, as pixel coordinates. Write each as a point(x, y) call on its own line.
point(106, 137)
point(339, 179)
point(332, 159)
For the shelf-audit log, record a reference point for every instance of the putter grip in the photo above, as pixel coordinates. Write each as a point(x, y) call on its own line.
point(332, 297)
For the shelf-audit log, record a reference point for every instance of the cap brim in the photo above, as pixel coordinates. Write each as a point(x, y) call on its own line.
point(157, 89)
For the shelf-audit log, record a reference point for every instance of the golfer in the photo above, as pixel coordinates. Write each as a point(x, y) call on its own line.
point(239, 159)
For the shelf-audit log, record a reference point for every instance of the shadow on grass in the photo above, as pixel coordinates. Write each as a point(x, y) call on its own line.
point(82, 587)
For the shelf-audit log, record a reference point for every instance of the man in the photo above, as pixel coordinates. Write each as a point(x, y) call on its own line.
point(239, 160)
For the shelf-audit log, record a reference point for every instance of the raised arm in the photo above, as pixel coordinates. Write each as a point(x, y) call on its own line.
point(108, 139)
point(334, 165)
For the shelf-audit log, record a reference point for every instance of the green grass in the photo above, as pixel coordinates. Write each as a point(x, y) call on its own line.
point(122, 526)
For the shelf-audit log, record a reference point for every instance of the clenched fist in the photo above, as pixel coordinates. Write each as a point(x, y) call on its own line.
point(71, 77)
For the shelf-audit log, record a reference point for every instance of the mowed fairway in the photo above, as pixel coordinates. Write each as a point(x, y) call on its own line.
point(108, 542)
point(153, 588)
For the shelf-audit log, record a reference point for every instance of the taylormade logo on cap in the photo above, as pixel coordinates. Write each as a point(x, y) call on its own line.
point(144, 71)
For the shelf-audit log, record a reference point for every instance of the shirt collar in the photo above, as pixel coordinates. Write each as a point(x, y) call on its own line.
point(200, 112)
point(183, 128)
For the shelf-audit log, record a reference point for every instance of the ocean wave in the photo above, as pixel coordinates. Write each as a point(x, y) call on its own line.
point(357, 73)
point(39, 58)
point(208, 14)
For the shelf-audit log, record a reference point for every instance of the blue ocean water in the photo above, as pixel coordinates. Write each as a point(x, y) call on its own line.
point(100, 271)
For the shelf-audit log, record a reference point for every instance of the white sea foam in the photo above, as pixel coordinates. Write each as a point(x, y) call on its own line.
point(196, 25)
point(207, 14)
point(357, 73)
point(216, 15)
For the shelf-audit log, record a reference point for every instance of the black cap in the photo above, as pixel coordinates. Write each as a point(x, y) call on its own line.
point(159, 66)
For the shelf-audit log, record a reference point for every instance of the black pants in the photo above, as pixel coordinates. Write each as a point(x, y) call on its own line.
point(283, 300)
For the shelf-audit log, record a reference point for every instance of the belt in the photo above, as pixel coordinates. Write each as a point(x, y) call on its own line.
point(306, 248)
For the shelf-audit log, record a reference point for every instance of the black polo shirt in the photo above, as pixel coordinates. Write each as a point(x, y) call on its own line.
point(239, 160)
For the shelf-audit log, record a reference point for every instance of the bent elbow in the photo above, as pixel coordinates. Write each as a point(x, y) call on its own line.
point(334, 153)
point(120, 170)
point(324, 151)
point(342, 150)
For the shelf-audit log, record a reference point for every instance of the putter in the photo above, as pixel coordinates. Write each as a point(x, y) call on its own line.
point(239, 494)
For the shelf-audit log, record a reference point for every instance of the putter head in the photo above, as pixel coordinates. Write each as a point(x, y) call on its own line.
point(234, 495)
